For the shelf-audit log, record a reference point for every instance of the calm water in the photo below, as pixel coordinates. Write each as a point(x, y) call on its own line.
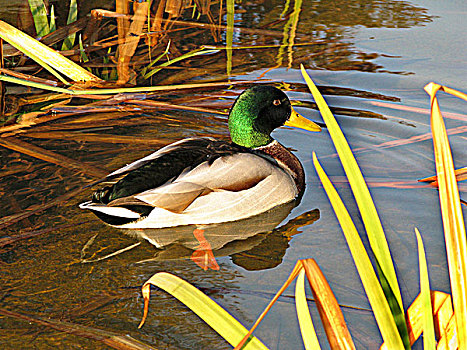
point(371, 62)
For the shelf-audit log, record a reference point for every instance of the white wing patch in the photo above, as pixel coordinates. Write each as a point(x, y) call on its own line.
point(113, 211)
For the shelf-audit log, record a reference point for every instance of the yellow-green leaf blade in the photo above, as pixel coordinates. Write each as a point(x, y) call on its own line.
point(360, 190)
point(72, 17)
point(45, 56)
point(196, 52)
point(208, 310)
point(373, 227)
point(39, 15)
point(310, 340)
point(370, 282)
point(34, 84)
point(429, 342)
point(453, 220)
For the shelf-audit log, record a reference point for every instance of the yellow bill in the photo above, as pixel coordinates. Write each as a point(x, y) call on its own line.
point(297, 121)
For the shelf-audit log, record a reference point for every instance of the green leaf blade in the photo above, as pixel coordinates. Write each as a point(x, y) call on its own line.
point(453, 219)
point(48, 58)
point(69, 41)
point(429, 342)
point(39, 14)
point(310, 340)
point(208, 310)
point(366, 207)
point(52, 26)
point(365, 269)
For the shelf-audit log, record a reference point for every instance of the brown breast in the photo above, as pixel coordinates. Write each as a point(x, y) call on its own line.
point(288, 161)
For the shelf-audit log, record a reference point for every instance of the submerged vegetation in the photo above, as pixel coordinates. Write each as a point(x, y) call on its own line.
point(73, 73)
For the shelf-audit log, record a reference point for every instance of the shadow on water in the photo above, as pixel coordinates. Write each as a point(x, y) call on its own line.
point(43, 169)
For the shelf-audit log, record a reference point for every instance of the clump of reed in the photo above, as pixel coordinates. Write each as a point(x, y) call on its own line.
point(431, 314)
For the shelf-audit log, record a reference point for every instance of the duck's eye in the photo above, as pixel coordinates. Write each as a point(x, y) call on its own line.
point(276, 102)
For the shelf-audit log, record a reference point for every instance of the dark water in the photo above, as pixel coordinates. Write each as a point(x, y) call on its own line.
point(371, 60)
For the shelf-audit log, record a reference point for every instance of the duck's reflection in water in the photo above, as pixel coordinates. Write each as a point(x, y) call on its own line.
point(255, 243)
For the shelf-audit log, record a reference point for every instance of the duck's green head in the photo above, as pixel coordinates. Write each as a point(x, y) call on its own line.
point(258, 111)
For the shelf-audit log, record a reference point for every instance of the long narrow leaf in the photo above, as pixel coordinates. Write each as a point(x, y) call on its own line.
point(297, 268)
point(157, 59)
point(72, 17)
point(360, 190)
point(429, 342)
point(331, 315)
point(194, 53)
point(453, 92)
point(118, 90)
point(52, 26)
point(34, 84)
point(230, 8)
point(82, 52)
point(310, 340)
point(45, 56)
point(39, 15)
point(453, 220)
point(397, 311)
point(370, 282)
point(215, 316)
point(461, 175)
point(366, 206)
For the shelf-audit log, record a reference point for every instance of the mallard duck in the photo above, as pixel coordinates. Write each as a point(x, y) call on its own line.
point(200, 181)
